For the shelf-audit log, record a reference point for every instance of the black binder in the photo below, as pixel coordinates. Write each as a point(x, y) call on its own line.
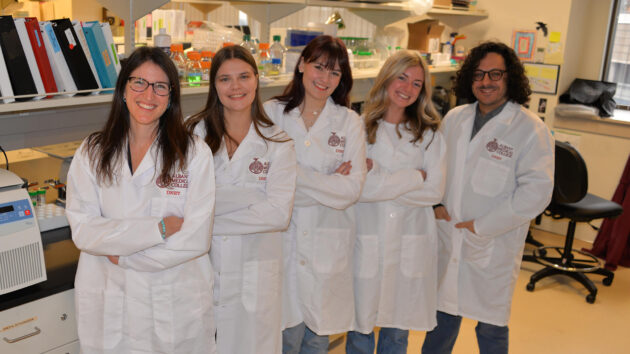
point(15, 59)
point(74, 55)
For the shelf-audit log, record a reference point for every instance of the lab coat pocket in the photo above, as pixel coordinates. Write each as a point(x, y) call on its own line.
point(366, 256)
point(489, 177)
point(416, 255)
point(100, 318)
point(331, 251)
point(478, 249)
point(261, 284)
point(177, 312)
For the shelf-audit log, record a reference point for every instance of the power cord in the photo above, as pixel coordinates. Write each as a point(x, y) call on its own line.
point(5, 157)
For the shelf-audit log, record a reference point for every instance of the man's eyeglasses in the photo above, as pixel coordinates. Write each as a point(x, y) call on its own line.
point(494, 75)
point(139, 84)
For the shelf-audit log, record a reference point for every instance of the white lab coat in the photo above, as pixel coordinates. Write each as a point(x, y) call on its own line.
point(159, 298)
point(395, 256)
point(255, 192)
point(501, 179)
point(318, 246)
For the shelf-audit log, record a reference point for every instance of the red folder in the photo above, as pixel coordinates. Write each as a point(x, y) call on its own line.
point(37, 42)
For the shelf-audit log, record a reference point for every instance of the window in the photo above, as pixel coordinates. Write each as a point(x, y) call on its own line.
point(618, 53)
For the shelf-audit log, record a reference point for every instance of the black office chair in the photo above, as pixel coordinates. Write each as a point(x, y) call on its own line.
point(571, 200)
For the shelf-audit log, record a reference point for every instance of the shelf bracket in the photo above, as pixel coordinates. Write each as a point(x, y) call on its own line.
point(266, 13)
point(130, 11)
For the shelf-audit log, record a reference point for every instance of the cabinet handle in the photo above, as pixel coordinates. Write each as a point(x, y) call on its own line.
point(37, 331)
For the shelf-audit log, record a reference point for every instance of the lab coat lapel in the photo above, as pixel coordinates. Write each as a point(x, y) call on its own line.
point(326, 119)
point(248, 144)
point(464, 130)
point(495, 128)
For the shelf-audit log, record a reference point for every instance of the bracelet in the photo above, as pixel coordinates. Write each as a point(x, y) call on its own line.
point(163, 233)
point(437, 205)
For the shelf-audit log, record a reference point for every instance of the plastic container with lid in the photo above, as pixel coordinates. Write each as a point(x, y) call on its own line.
point(33, 195)
point(177, 56)
point(194, 69)
point(163, 41)
point(264, 60)
point(206, 62)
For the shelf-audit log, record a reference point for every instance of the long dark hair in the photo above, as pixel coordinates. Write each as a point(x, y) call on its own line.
point(334, 51)
point(419, 116)
point(517, 83)
point(212, 115)
point(106, 147)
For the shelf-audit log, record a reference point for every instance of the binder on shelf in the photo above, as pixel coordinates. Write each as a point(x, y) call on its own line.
point(39, 51)
point(109, 38)
point(5, 83)
point(15, 59)
point(61, 72)
point(20, 26)
point(103, 61)
point(78, 30)
point(73, 53)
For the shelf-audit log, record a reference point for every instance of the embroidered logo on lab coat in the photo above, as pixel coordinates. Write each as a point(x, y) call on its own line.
point(337, 142)
point(498, 150)
point(258, 167)
point(179, 181)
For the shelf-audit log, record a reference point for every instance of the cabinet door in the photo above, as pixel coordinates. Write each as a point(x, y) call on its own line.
point(39, 326)
point(70, 348)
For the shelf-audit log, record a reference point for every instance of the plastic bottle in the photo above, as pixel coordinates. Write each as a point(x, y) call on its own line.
point(177, 56)
point(264, 60)
point(41, 197)
point(163, 41)
point(33, 195)
point(193, 72)
point(206, 62)
point(249, 45)
point(277, 51)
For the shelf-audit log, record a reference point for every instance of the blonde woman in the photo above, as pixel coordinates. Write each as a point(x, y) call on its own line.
point(395, 265)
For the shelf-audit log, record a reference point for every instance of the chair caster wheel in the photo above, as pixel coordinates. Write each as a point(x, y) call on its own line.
point(543, 252)
point(607, 281)
point(530, 286)
point(590, 298)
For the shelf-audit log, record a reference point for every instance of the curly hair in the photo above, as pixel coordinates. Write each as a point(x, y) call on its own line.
point(419, 116)
point(518, 89)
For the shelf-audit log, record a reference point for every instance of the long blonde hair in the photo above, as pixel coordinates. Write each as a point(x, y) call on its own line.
point(419, 116)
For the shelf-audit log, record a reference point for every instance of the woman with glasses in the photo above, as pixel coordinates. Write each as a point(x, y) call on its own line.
point(140, 203)
point(330, 147)
point(395, 273)
point(255, 176)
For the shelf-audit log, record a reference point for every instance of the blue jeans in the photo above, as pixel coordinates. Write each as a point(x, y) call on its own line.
point(491, 339)
point(300, 339)
point(390, 341)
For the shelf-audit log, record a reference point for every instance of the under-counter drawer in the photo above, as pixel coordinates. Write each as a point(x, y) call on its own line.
point(39, 326)
point(70, 348)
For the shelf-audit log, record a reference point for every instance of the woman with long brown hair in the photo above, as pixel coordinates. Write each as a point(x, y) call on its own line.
point(395, 274)
point(330, 147)
point(255, 177)
point(140, 203)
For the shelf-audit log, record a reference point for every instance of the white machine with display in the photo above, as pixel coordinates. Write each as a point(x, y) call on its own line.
point(21, 253)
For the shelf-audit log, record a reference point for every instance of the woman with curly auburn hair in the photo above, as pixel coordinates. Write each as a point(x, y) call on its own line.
point(395, 259)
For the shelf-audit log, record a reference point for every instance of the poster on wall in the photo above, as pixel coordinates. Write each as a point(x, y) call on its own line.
point(524, 44)
point(543, 78)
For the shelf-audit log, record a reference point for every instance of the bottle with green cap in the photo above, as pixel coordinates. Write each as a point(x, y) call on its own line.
point(249, 45)
point(277, 51)
point(33, 195)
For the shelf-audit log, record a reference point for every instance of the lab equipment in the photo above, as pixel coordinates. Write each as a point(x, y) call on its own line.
point(21, 254)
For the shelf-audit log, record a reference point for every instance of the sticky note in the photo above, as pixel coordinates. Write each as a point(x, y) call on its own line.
point(554, 37)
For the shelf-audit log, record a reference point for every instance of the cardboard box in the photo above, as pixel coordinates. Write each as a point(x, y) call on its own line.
point(425, 35)
point(442, 3)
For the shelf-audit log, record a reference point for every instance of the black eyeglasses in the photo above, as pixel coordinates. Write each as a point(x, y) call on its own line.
point(494, 75)
point(139, 84)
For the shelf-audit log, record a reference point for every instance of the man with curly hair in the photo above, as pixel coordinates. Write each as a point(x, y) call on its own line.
point(500, 176)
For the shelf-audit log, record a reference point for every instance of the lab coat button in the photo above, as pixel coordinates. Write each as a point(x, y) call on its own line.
point(302, 262)
point(304, 233)
point(225, 238)
point(392, 215)
point(307, 143)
